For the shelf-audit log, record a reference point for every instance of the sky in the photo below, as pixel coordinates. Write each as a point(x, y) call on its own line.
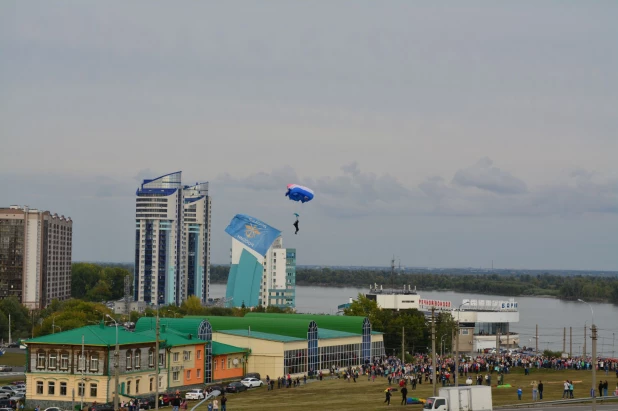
point(447, 135)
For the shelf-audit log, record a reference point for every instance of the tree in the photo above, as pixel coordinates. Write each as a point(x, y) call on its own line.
point(20, 317)
point(192, 306)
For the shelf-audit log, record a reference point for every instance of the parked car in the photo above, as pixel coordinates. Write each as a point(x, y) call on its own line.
point(5, 395)
point(6, 409)
point(253, 375)
point(165, 398)
point(5, 368)
point(215, 387)
point(53, 409)
point(252, 382)
point(8, 387)
point(146, 403)
point(195, 394)
point(13, 345)
point(235, 387)
point(102, 407)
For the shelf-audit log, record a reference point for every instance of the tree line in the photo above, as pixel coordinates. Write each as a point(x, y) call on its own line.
point(593, 288)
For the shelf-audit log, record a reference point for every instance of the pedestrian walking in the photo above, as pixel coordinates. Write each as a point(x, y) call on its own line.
point(404, 396)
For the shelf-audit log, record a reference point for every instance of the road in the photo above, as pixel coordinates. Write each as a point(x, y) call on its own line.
point(606, 407)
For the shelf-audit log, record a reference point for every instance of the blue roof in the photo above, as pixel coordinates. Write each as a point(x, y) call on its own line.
point(146, 181)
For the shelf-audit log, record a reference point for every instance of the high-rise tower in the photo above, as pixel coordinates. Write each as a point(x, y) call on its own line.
point(197, 235)
point(172, 241)
point(35, 256)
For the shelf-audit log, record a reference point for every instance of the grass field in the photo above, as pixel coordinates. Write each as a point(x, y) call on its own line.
point(13, 359)
point(363, 395)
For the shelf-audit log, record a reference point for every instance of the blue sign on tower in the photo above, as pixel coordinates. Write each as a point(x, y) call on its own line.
point(252, 232)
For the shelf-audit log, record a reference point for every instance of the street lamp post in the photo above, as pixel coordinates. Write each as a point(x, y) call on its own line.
point(442, 345)
point(594, 357)
point(116, 366)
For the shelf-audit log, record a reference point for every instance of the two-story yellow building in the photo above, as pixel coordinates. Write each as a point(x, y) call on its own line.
point(78, 365)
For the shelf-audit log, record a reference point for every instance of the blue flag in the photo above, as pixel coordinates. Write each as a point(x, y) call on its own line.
point(252, 232)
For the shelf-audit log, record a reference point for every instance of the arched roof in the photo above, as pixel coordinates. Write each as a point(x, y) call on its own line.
point(350, 324)
point(288, 326)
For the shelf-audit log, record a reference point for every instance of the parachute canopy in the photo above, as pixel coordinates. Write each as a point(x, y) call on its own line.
point(299, 193)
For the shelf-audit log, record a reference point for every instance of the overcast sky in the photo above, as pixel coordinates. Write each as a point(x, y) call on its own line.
point(448, 135)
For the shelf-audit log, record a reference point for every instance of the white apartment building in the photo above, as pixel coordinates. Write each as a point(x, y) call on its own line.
point(35, 255)
point(197, 212)
point(172, 240)
point(275, 286)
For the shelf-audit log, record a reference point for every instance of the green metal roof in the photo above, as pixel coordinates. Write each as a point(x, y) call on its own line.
point(186, 325)
point(172, 337)
point(262, 336)
point(94, 335)
point(350, 324)
point(220, 349)
point(325, 333)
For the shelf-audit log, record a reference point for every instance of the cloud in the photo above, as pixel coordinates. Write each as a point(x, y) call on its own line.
point(485, 177)
point(483, 190)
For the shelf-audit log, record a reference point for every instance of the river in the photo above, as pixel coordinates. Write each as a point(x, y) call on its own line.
point(551, 315)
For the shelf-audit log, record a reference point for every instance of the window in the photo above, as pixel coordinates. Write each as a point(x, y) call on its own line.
point(161, 360)
point(94, 363)
point(160, 382)
point(187, 355)
point(53, 360)
point(222, 364)
point(63, 388)
point(188, 374)
point(151, 384)
point(80, 363)
point(199, 354)
point(175, 375)
point(128, 387)
point(39, 387)
point(93, 390)
point(229, 363)
point(40, 361)
point(215, 361)
point(138, 359)
point(51, 388)
point(81, 388)
point(464, 332)
point(176, 355)
point(151, 359)
point(129, 360)
point(136, 386)
point(198, 373)
point(64, 361)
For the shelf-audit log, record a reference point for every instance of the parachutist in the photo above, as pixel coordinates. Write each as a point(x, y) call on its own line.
point(296, 226)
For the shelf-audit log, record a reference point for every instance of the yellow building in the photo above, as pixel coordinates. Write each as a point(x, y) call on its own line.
point(78, 365)
point(281, 344)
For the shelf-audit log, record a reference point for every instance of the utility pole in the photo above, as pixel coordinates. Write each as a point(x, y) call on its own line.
point(537, 339)
point(83, 365)
point(433, 348)
point(570, 342)
point(116, 367)
point(403, 349)
point(594, 366)
point(498, 342)
point(585, 340)
point(564, 340)
point(157, 358)
point(10, 329)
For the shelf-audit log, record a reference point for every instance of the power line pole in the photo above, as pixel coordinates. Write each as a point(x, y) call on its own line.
point(585, 340)
point(594, 366)
point(433, 348)
point(498, 342)
point(157, 358)
point(403, 349)
point(564, 340)
point(570, 342)
point(537, 339)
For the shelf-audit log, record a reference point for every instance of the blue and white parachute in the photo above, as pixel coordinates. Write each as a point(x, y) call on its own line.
point(299, 193)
